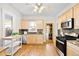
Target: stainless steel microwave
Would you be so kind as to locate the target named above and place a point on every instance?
(68, 24)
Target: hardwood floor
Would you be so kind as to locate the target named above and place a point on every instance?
(37, 50)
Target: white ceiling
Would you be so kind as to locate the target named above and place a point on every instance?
(51, 9)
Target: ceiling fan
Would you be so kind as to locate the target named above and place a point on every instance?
(38, 7)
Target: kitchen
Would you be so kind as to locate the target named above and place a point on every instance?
(56, 32)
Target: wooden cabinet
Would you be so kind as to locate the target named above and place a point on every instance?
(40, 24)
(31, 39)
(69, 14)
(76, 16)
(34, 39)
(65, 16)
(59, 22)
(61, 19)
(39, 39)
(72, 50)
(24, 24)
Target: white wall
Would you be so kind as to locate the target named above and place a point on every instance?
(38, 17)
(16, 17)
(55, 27)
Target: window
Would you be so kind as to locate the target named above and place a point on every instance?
(32, 26)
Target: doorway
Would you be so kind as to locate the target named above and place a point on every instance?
(49, 31)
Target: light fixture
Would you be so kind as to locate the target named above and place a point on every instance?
(35, 8)
(41, 9)
(38, 7)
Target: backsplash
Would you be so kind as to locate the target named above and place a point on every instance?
(71, 31)
(39, 31)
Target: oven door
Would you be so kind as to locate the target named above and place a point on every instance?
(61, 46)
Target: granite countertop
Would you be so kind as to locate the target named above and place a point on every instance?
(74, 42)
(34, 33)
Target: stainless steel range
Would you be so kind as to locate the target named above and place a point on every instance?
(61, 46)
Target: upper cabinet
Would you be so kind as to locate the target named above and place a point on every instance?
(40, 24)
(65, 16)
(76, 16)
(69, 14)
(59, 22)
(25, 24)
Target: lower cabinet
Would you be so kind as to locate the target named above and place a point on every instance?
(35, 39)
(72, 51)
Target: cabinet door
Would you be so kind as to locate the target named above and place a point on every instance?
(61, 19)
(76, 16)
(40, 24)
(31, 39)
(59, 22)
(64, 16)
(24, 24)
(34, 39)
(72, 51)
(69, 13)
(39, 39)
(69, 51)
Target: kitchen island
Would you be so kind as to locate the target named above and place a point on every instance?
(35, 38)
